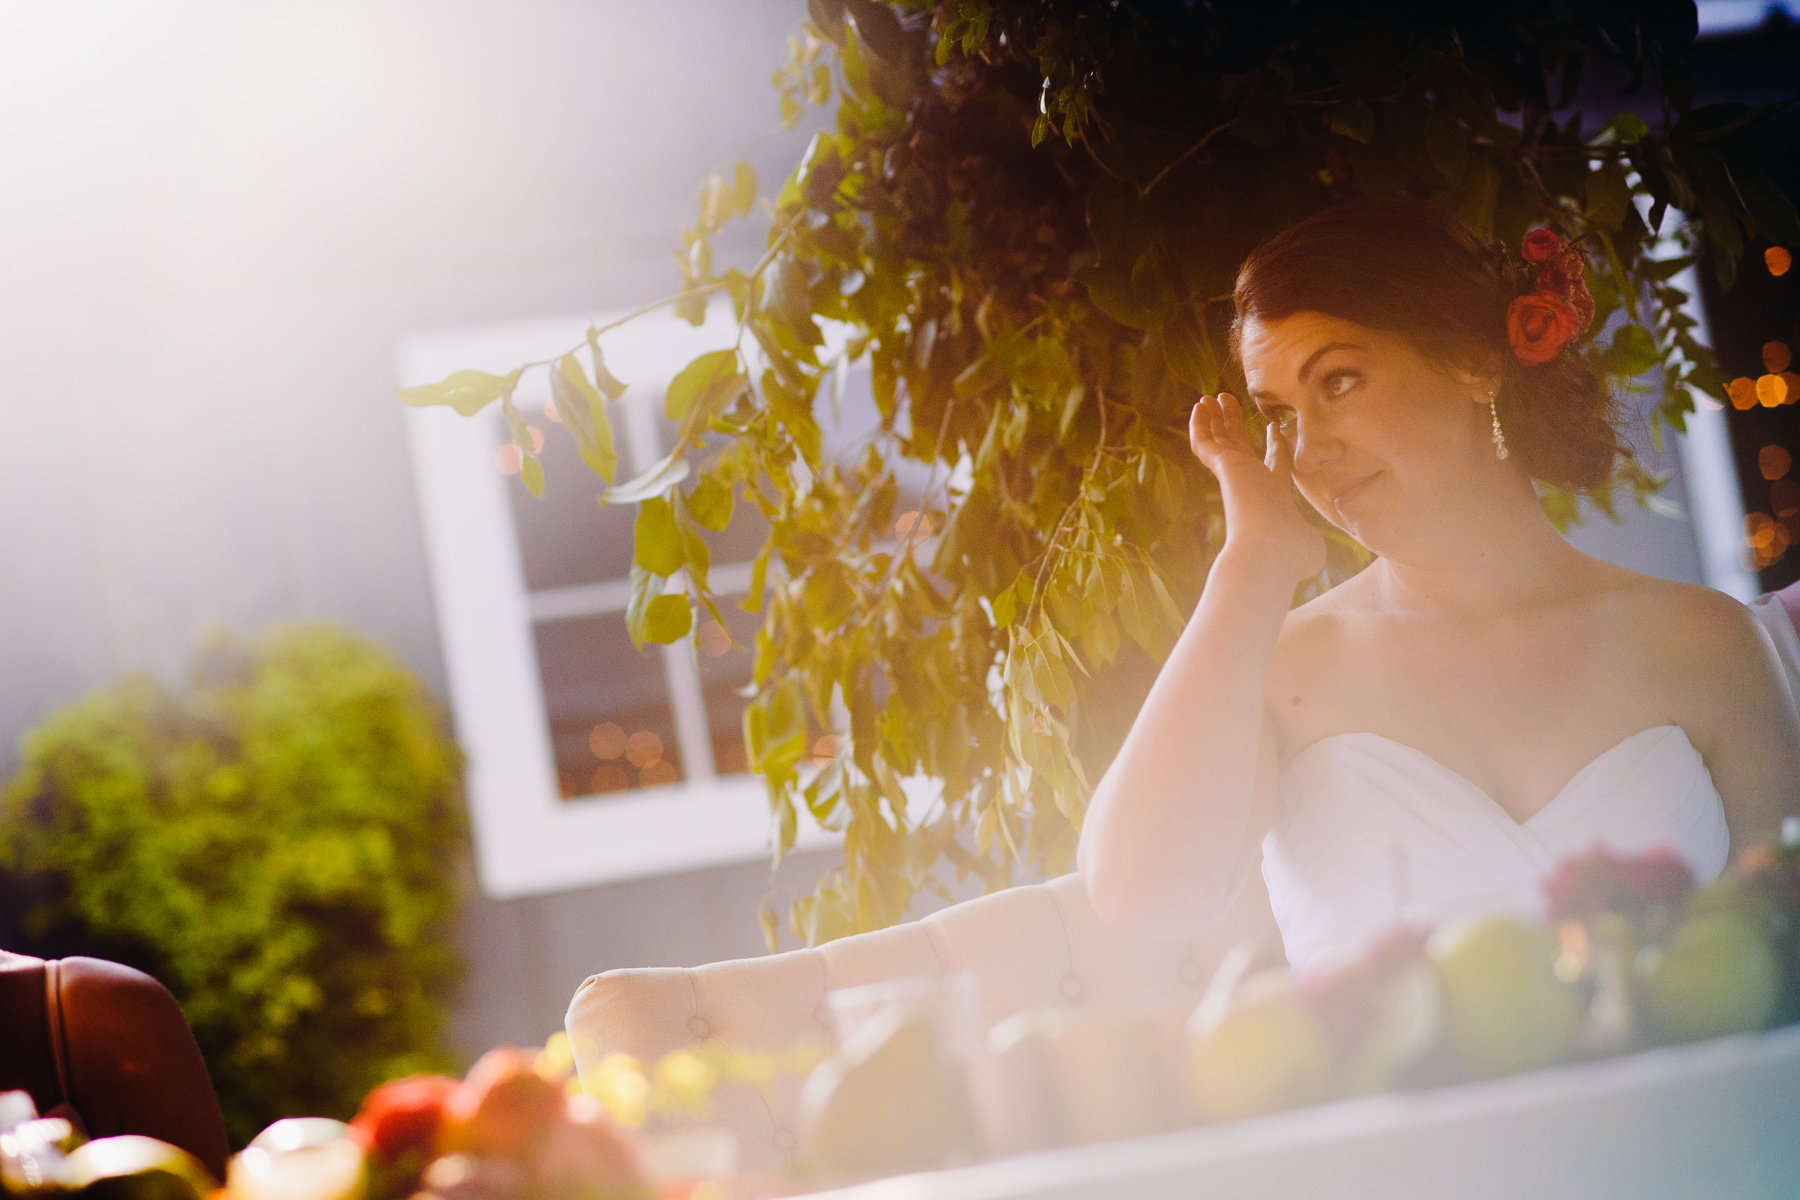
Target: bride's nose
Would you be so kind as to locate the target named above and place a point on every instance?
(1315, 444)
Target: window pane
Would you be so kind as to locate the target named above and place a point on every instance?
(568, 538)
(611, 725)
(723, 671)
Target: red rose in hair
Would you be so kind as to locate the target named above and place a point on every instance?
(1539, 325)
(1540, 245)
(1583, 302)
(1563, 274)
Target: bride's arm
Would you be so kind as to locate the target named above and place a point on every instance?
(1177, 815)
(1753, 750)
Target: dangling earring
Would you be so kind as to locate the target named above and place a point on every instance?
(1499, 437)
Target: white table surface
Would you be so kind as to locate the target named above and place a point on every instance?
(1718, 1119)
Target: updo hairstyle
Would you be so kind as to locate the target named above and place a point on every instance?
(1411, 268)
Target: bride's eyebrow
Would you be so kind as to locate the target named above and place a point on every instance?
(1312, 360)
(1258, 397)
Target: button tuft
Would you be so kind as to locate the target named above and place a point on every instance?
(699, 1028)
(1071, 987)
(784, 1140)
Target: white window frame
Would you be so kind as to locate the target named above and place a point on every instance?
(528, 839)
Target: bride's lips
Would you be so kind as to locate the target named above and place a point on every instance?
(1352, 490)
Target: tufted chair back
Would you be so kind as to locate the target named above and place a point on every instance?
(1038, 946)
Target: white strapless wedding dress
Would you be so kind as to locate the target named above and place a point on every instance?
(1369, 832)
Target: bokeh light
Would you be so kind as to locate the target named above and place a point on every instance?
(1776, 357)
(609, 777)
(1774, 461)
(657, 773)
(643, 748)
(508, 459)
(715, 642)
(537, 439)
(607, 740)
(825, 749)
(550, 413)
(1778, 260)
(1784, 498)
(1767, 538)
(1742, 391)
(1771, 390)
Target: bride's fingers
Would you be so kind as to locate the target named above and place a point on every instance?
(1279, 455)
(1203, 425)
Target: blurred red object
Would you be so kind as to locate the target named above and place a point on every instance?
(403, 1116)
(500, 1108)
(1606, 882)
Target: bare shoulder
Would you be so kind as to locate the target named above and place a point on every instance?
(1320, 619)
(1689, 626)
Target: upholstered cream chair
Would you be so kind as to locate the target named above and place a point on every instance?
(1033, 947)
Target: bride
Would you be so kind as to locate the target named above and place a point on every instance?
(1430, 738)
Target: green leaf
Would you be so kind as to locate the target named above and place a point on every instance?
(1633, 351)
(468, 392)
(1354, 119)
(668, 619)
(646, 586)
(1628, 127)
(664, 474)
(531, 472)
(711, 503)
(1447, 145)
(1186, 351)
(693, 546)
(703, 389)
(775, 729)
(743, 189)
(609, 386)
(583, 413)
(656, 542)
(1608, 197)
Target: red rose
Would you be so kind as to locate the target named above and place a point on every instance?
(1583, 302)
(1540, 245)
(1563, 274)
(1538, 326)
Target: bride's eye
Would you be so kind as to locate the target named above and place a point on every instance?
(1280, 418)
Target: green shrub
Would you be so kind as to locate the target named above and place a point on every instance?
(279, 843)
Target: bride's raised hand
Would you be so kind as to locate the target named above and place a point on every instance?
(1262, 514)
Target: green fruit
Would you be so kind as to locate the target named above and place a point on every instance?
(889, 1102)
(1713, 975)
(1505, 1008)
(137, 1168)
(1265, 1053)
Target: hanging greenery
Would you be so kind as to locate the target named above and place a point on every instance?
(1028, 215)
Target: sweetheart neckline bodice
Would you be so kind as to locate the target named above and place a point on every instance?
(1370, 830)
(1587, 771)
